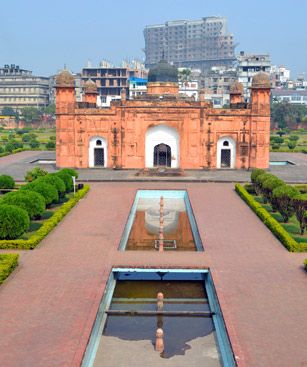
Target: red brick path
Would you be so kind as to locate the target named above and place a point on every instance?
(48, 305)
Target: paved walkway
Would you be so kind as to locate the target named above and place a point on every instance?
(18, 164)
(48, 305)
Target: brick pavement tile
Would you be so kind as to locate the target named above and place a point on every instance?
(48, 306)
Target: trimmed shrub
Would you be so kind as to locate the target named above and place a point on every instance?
(260, 180)
(302, 188)
(275, 146)
(9, 147)
(8, 263)
(50, 145)
(275, 227)
(47, 226)
(294, 138)
(66, 177)
(279, 140)
(291, 144)
(54, 180)
(32, 202)
(268, 186)
(49, 192)
(6, 182)
(1, 149)
(300, 209)
(34, 144)
(283, 196)
(255, 173)
(35, 173)
(70, 171)
(250, 189)
(305, 264)
(14, 221)
(26, 138)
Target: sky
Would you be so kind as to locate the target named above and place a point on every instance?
(43, 36)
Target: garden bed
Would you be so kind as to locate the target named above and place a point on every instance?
(8, 263)
(287, 233)
(40, 228)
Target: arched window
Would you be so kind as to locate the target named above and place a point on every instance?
(226, 143)
(98, 142)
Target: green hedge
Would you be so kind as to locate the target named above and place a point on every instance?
(8, 263)
(305, 264)
(17, 151)
(47, 226)
(275, 227)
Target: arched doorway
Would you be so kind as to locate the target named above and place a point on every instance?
(162, 155)
(226, 153)
(161, 147)
(98, 153)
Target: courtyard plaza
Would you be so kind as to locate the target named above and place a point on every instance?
(17, 165)
(49, 303)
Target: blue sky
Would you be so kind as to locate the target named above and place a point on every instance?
(44, 35)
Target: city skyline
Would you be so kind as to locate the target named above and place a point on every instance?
(45, 37)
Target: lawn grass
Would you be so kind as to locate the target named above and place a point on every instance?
(43, 136)
(301, 143)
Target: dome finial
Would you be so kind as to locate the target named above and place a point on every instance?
(65, 79)
(261, 81)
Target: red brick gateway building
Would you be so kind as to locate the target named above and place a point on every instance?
(162, 128)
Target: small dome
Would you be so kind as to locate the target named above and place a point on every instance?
(261, 80)
(236, 88)
(163, 72)
(90, 86)
(65, 79)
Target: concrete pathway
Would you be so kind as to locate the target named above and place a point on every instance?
(49, 304)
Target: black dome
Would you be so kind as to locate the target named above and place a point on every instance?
(163, 72)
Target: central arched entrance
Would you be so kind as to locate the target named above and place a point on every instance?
(162, 155)
(161, 147)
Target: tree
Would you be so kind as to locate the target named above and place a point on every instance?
(280, 133)
(300, 208)
(284, 114)
(8, 111)
(283, 196)
(184, 75)
(30, 114)
(49, 110)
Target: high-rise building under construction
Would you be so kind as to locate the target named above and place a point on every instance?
(196, 44)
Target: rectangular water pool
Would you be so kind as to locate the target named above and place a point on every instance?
(191, 321)
(281, 163)
(179, 226)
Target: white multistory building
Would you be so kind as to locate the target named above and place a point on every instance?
(248, 65)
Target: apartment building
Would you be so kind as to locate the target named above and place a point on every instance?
(197, 44)
(20, 88)
(110, 80)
